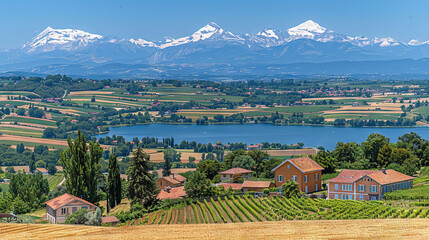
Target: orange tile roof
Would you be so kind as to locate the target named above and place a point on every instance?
(256, 184)
(42, 169)
(236, 171)
(391, 176)
(234, 186)
(109, 219)
(349, 176)
(178, 177)
(173, 193)
(304, 164)
(170, 179)
(65, 199)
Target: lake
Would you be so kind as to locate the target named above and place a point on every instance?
(311, 136)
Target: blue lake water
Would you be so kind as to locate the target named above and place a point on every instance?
(311, 136)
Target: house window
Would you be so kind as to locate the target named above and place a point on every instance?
(288, 166)
(373, 188)
(350, 197)
(84, 207)
(361, 197)
(316, 176)
(336, 186)
(306, 189)
(280, 178)
(317, 188)
(305, 178)
(64, 211)
(361, 188)
(294, 178)
(347, 187)
(336, 196)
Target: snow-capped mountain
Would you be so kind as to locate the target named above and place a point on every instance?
(212, 44)
(209, 32)
(60, 39)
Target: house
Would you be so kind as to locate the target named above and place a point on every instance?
(172, 193)
(367, 184)
(171, 181)
(304, 170)
(256, 186)
(44, 171)
(256, 146)
(58, 208)
(230, 173)
(109, 220)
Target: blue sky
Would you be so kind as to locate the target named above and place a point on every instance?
(20, 20)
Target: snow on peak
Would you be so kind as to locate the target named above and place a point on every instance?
(208, 31)
(65, 39)
(307, 29)
(385, 42)
(415, 42)
(143, 43)
(269, 33)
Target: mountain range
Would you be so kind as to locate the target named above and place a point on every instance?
(212, 49)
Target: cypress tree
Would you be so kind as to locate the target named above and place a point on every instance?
(141, 184)
(114, 182)
(32, 164)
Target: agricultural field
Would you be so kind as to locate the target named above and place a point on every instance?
(333, 229)
(249, 209)
(54, 180)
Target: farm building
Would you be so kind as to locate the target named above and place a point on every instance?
(44, 171)
(172, 193)
(171, 181)
(367, 184)
(304, 170)
(58, 208)
(230, 173)
(233, 186)
(110, 219)
(256, 186)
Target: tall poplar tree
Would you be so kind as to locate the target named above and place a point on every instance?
(114, 182)
(81, 165)
(141, 183)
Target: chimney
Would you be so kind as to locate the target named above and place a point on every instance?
(172, 175)
(383, 170)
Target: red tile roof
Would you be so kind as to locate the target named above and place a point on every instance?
(173, 193)
(109, 219)
(171, 180)
(178, 177)
(256, 184)
(65, 199)
(233, 186)
(349, 176)
(42, 170)
(391, 176)
(234, 171)
(304, 164)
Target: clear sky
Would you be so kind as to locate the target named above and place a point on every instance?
(20, 20)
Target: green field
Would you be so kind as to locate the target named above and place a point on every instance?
(302, 109)
(29, 120)
(31, 144)
(53, 180)
(4, 187)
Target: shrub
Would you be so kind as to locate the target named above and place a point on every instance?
(78, 217)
